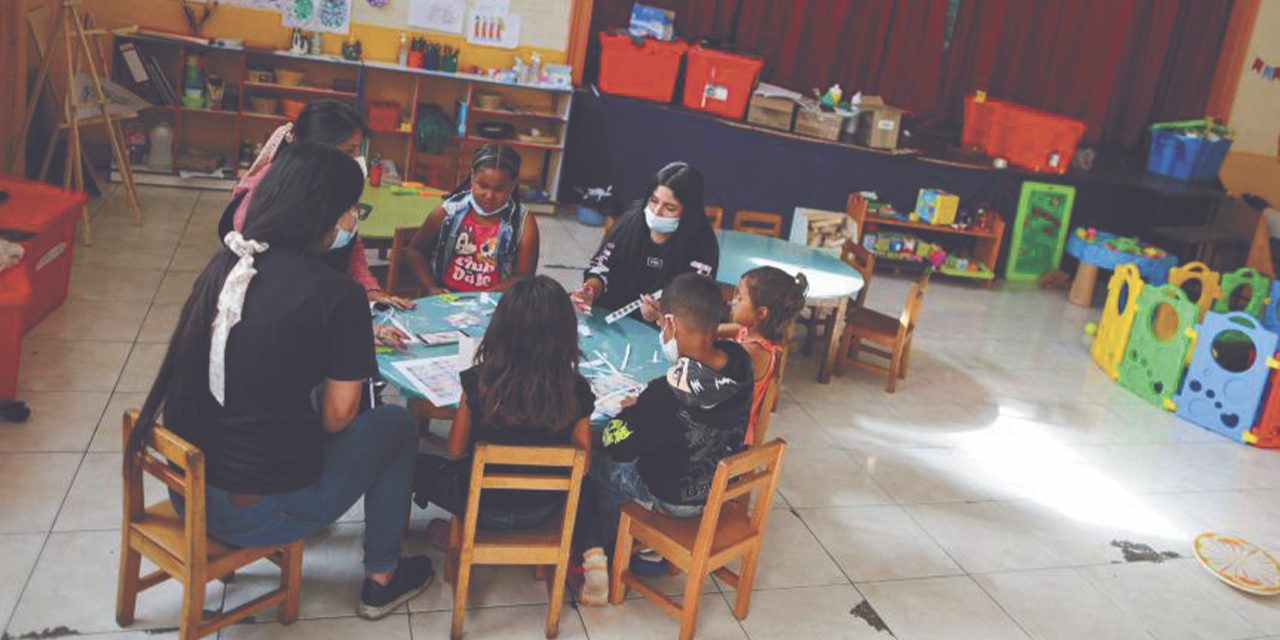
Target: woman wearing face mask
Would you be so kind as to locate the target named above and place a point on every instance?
(264, 374)
(657, 239)
(481, 238)
(333, 123)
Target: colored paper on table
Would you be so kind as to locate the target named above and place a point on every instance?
(462, 320)
(435, 378)
(611, 389)
(442, 337)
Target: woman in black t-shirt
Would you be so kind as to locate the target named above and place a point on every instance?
(524, 390)
(657, 239)
(264, 374)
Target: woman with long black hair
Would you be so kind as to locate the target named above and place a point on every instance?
(658, 238)
(264, 374)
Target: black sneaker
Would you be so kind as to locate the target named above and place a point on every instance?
(412, 576)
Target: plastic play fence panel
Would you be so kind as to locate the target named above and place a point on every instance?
(1040, 231)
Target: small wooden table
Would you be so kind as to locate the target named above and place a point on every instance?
(391, 212)
(831, 282)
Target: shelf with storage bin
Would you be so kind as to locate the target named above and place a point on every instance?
(360, 83)
(982, 244)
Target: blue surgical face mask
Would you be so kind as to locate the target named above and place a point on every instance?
(670, 348)
(485, 214)
(659, 224)
(344, 237)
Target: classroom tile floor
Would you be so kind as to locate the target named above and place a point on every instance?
(1007, 490)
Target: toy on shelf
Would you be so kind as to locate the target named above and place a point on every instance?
(1117, 319)
(1040, 230)
(1101, 250)
(936, 206)
(905, 247)
(1199, 282)
(1228, 374)
(1234, 283)
(1156, 353)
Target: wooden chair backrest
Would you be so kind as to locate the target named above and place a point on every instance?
(570, 458)
(856, 208)
(715, 215)
(765, 223)
(862, 261)
(766, 407)
(400, 241)
(164, 450)
(911, 309)
(737, 476)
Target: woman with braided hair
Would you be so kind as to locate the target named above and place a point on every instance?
(481, 238)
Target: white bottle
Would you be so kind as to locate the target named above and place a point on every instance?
(161, 139)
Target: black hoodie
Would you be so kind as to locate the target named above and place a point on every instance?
(682, 425)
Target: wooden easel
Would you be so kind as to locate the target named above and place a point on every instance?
(70, 25)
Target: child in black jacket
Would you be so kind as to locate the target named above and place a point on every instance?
(662, 451)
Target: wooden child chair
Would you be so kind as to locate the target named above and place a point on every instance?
(728, 530)
(862, 261)
(893, 334)
(399, 280)
(180, 545)
(765, 223)
(542, 546)
(770, 403)
(715, 215)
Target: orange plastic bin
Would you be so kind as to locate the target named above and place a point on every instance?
(46, 217)
(719, 82)
(15, 294)
(1026, 137)
(647, 72)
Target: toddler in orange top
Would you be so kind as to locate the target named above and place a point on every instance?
(764, 306)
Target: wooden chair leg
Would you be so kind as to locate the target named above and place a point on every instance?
(193, 585)
(692, 600)
(127, 583)
(906, 359)
(557, 597)
(894, 361)
(621, 560)
(842, 355)
(451, 555)
(460, 584)
(746, 580)
(291, 581)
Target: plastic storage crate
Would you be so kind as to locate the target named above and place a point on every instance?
(720, 83)
(648, 71)
(47, 216)
(1188, 150)
(1029, 138)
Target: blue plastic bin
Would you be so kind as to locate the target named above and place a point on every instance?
(1185, 157)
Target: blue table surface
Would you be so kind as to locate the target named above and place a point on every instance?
(645, 363)
(829, 278)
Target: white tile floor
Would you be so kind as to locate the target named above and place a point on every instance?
(988, 498)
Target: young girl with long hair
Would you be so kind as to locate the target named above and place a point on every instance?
(264, 374)
(481, 238)
(660, 237)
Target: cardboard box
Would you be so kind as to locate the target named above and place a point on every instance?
(879, 123)
(817, 123)
(936, 206)
(825, 230)
(771, 111)
(652, 22)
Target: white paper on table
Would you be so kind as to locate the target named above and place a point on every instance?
(447, 16)
(435, 378)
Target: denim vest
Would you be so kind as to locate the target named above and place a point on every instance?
(510, 231)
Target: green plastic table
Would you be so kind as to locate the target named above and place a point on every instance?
(831, 282)
(612, 340)
(391, 212)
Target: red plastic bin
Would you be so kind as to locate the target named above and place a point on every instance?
(720, 83)
(50, 213)
(1026, 137)
(15, 295)
(647, 72)
(384, 116)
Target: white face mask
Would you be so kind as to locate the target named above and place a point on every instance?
(364, 166)
(659, 224)
(670, 348)
(344, 237)
(480, 210)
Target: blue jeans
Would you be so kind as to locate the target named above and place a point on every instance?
(609, 487)
(372, 457)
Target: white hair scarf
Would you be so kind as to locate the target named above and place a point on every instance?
(230, 306)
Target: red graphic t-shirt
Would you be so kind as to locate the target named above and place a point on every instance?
(474, 266)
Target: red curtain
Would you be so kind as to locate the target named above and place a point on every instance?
(1118, 65)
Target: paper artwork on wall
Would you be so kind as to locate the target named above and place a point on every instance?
(447, 16)
(332, 16)
(493, 29)
(1266, 71)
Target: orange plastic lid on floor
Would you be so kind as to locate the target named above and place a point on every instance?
(1239, 563)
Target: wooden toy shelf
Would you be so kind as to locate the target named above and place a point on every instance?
(984, 247)
(546, 108)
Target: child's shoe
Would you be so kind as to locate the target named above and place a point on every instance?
(649, 563)
(595, 578)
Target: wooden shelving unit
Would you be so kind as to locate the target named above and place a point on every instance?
(984, 243)
(538, 107)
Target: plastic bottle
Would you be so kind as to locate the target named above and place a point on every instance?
(402, 56)
(161, 156)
